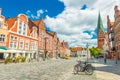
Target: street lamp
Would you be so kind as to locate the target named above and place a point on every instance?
(45, 51)
(87, 51)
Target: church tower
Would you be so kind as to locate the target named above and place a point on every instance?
(100, 33)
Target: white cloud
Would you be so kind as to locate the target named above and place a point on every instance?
(38, 13)
(72, 22)
(77, 3)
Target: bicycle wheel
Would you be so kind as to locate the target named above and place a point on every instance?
(89, 70)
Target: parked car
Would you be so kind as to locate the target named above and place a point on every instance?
(67, 57)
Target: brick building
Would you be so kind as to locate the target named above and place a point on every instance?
(100, 33)
(24, 37)
(111, 42)
(117, 30)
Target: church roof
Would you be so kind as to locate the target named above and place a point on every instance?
(100, 24)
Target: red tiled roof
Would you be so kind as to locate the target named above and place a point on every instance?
(76, 49)
(10, 22)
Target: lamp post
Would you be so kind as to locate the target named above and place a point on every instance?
(45, 51)
(87, 51)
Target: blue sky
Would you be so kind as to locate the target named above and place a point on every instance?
(13, 8)
(74, 21)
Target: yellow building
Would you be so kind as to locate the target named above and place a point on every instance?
(3, 35)
(3, 31)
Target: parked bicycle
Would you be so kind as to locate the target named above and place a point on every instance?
(83, 66)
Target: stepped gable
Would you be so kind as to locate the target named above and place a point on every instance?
(31, 24)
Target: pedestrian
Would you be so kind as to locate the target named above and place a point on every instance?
(115, 58)
(105, 61)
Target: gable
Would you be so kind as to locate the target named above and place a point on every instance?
(23, 17)
(14, 27)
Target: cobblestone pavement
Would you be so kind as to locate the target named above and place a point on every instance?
(60, 69)
(109, 71)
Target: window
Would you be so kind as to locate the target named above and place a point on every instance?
(32, 46)
(21, 44)
(34, 34)
(20, 23)
(23, 33)
(13, 42)
(40, 39)
(35, 45)
(11, 45)
(13, 38)
(26, 45)
(2, 37)
(22, 28)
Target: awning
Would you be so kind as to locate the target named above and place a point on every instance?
(13, 51)
(3, 48)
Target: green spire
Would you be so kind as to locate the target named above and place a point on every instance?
(100, 24)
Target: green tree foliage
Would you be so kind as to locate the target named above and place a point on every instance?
(95, 51)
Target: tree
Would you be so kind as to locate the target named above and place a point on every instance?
(95, 51)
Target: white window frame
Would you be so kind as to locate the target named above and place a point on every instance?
(21, 46)
(27, 46)
(13, 42)
(23, 29)
(2, 36)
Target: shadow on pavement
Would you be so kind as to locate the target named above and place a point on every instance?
(110, 66)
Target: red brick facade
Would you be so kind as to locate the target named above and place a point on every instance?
(32, 38)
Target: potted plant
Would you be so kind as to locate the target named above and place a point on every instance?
(23, 59)
(18, 59)
(8, 60)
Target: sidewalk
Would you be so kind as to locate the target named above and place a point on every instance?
(109, 71)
